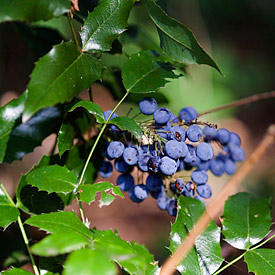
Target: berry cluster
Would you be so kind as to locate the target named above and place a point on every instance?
(172, 145)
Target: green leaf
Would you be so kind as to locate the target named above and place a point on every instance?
(26, 136)
(244, 228)
(142, 73)
(16, 271)
(89, 262)
(65, 138)
(53, 178)
(92, 108)
(126, 123)
(32, 10)
(104, 24)
(177, 41)
(261, 261)
(59, 76)
(8, 116)
(60, 243)
(8, 212)
(207, 244)
(88, 192)
(60, 222)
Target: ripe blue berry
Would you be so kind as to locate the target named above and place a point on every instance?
(162, 115)
(199, 176)
(209, 133)
(130, 155)
(234, 139)
(143, 162)
(148, 105)
(125, 182)
(177, 133)
(153, 163)
(115, 149)
(154, 182)
(217, 167)
(168, 166)
(162, 201)
(121, 166)
(194, 133)
(204, 191)
(230, 166)
(106, 169)
(106, 114)
(188, 114)
(223, 136)
(176, 149)
(204, 151)
(191, 156)
(237, 153)
(172, 207)
(138, 192)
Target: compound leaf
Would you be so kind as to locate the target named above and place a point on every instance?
(142, 73)
(32, 10)
(205, 257)
(104, 24)
(65, 138)
(244, 228)
(16, 271)
(88, 192)
(53, 178)
(59, 76)
(177, 41)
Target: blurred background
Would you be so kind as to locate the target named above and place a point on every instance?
(239, 35)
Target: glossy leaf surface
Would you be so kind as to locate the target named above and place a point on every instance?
(32, 10)
(16, 271)
(59, 76)
(142, 73)
(88, 192)
(53, 178)
(65, 138)
(60, 222)
(97, 263)
(177, 41)
(246, 220)
(261, 261)
(207, 244)
(104, 24)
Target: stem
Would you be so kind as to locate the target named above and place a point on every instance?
(243, 101)
(73, 31)
(23, 232)
(262, 243)
(213, 210)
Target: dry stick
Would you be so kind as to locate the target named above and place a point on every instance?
(243, 101)
(213, 210)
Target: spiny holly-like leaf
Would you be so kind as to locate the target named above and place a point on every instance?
(177, 41)
(88, 192)
(142, 73)
(32, 10)
(205, 257)
(104, 24)
(126, 123)
(92, 108)
(97, 263)
(60, 222)
(16, 271)
(8, 212)
(26, 136)
(261, 261)
(8, 116)
(60, 243)
(65, 138)
(244, 228)
(59, 76)
(53, 178)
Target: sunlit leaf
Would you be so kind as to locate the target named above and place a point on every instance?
(16, 271)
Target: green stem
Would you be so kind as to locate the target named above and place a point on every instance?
(23, 232)
(262, 243)
(73, 31)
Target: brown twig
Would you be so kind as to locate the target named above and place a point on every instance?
(213, 210)
(243, 101)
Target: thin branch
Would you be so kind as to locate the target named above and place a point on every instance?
(213, 210)
(73, 31)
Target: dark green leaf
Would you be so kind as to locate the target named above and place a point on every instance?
(113, 60)
(53, 178)
(261, 261)
(88, 192)
(32, 10)
(142, 73)
(92, 108)
(59, 76)
(8, 116)
(205, 257)
(177, 41)
(60, 243)
(26, 136)
(89, 262)
(8, 212)
(126, 123)
(16, 271)
(104, 24)
(65, 138)
(246, 220)
(60, 222)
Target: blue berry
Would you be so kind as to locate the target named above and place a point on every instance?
(138, 192)
(223, 136)
(106, 114)
(162, 130)
(217, 167)
(230, 166)
(162, 115)
(172, 207)
(154, 182)
(174, 119)
(237, 153)
(234, 139)
(199, 176)
(106, 169)
(121, 166)
(204, 165)
(204, 191)
(168, 166)
(130, 155)
(177, 133)
(181, 165)
(191, 156)
(204, 151)
(194, 133)
(158, 193)
(148, 105)
(209, 133)
(153, 163)
(125, 182)
(176, 149)
(188, 114)
(143, 162)
(162, 201)
(115, 149)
